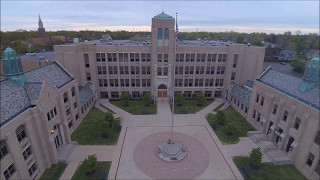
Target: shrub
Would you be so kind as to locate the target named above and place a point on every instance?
(125, 97)
(221, 116)
(180, 99)
(147, 99)
(109, 118)
(200, 97)
(90, 163)
(256, 156)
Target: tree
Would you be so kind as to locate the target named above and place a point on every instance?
(298, 65)
(147, 99)
(257, 42)
(221, 116)
(256, 156)
(109, 119)
(125, 97)
(90, 163)
(180, 99)
(200, 97)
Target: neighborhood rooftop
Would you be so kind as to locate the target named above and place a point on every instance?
(289, 85)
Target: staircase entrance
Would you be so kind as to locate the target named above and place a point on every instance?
(162, 91)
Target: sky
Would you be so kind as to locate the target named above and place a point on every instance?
(212, 16)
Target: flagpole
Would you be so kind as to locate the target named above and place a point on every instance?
(174, 78)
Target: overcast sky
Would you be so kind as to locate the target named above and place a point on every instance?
(214, 16)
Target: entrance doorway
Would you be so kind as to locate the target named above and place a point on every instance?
(162, 91)
(291, 139)
(57, 141)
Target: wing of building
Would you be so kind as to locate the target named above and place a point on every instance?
(39, 111)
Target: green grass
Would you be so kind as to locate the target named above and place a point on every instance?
(54, 172)
(102, 167)
(218, 107)
(234, 118)
(136, 107)
(269, 171)
(89, 131)
(190, 107)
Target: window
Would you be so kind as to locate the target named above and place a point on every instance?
(9, 171)
(86, 60)
(165, 71)
(222, 70)
(27, 153)
(317, 139)
(70, 124)
(257, 98)
(285, 116)
(233, 76)
(159, 57)
(77, 116)
(259, 116)
(297, 123)
(21, 134)
(208, 94)
(217, 94)
(159, 71)
(275, 107)
(254, 114)
(310, 159)
(159, 37)
(235, 60)
(317, 170)
(165, 58)
(262, 101)
(219, 57)
(68, 112)
(65, 97)
(224, 58)
(88, 76)
(3, 149)
(75, 105)
(32, 169)
(73, 91)
(246, 110)
(98, 57)
(103, 95)
(135, 95)
(114, 95)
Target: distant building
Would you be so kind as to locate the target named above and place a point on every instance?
(287, 55)
(39, 111)
(311, 53)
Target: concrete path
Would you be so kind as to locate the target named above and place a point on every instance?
(161, 119)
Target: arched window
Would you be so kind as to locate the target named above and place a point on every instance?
(21, 133)
(166, 37)
(159, 37)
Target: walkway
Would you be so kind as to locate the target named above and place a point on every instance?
(161, 119)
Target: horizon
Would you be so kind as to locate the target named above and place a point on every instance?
(135, 16)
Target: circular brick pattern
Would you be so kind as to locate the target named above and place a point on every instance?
(195, 162)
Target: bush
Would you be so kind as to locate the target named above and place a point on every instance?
(125, 97)
(256, 156)
(200, 97)
(90, 163)
(147, 99)
(109, 118)
(221, 116)
(298, 65)
(180, 99)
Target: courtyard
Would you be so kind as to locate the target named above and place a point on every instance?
(133, 155)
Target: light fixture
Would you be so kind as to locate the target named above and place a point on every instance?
(52, 131)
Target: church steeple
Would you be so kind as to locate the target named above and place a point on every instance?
(311, 75)
(40, 22)
(12, 68)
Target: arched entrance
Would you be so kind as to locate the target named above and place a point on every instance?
(291, 139)
(278, 133)
(162, 91)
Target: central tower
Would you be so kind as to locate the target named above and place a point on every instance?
(162, 54)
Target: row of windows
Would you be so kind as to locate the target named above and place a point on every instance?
(123, 57)
(134, 94)
(199, 70)
(65, 95)
(124, 82)
(189, 94)
(201, 57)
(51, 114)
(310, 160)
(198, 82)
(84, 107)
(9, 171)
(236, 101)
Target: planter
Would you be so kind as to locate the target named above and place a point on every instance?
(105, 136)
(221, 123)
(126, 105)
(89, 174)
(179, 105)
(254, 167)
(228, 133)
(146, 105)
(199, 104)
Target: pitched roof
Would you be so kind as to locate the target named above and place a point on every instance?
(85, 93)
(53, 74)
(33, 90)
(289, 85)
(162, 16)
(13, 100)
(241, 93)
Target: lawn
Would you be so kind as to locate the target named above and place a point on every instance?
(269, 171)
(102, 167)
(136, 107)
(190, 107)
(241, 126)
(54, 172)
(90, 130)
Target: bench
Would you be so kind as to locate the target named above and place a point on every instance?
(104, 176)
(183, 111)
(213, 126)
(244, 173)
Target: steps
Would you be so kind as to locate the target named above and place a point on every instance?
(270, 149)
(65, 150)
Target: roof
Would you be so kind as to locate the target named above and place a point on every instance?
(163, 16)
(49, 55)
(33, 90)
(52, 73)
(289, 85)
(241, 93)
(85, 93)
(13, 100)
